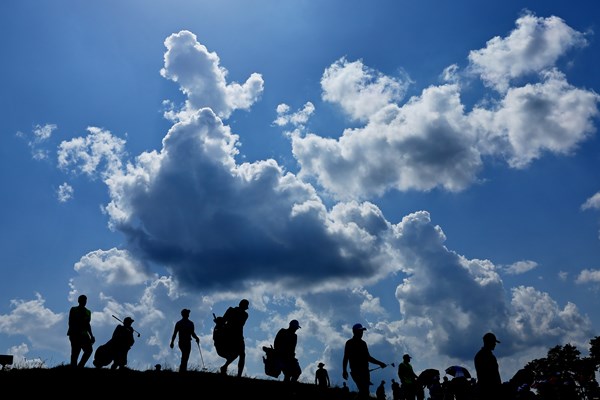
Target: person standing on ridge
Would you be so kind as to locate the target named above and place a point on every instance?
(408, 378)
(322, 376)
(489, 384)
(235, 319)
(356, 354)
(186, 331)
(80, 332)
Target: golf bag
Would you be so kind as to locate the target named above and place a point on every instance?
(272, 364)
(103, 355)
(222, 338)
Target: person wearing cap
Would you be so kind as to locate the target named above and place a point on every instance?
(120, 343)
(186, 331)
(285, 351)
(489, 383)
(357, 356)
(408, 378)
(235, 318)
(322, 376)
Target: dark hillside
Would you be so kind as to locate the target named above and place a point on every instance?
(92, 382)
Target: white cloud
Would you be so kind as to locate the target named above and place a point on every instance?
(537, 317)
(588, 276)
(534, 45)
(520, 267)
(297, 119)
(64, 192)
(592, 202)
(39, 324)
(426, 143)
(551, 116)
(116, 267)
(203, 80)
(359, 90)
(41, 133)
(431, 141)
(97, 153)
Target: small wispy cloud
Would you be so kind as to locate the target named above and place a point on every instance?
(39, 135)
(64, 192)
(520, 267)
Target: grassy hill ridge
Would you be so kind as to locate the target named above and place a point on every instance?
(69, 383)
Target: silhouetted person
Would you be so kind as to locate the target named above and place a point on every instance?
(396, 392)
(322, 376)
(461, 387)
(80, 332)
(489, 383)
(186, 331)
(356, 353)
(285, 350)
(380, 392)
(120, 343)
(447, 389)
(435, 390)
(408, 378)
(235, 319)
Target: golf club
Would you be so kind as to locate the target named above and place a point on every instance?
(123, 323)
(373, 369)
(201, 358)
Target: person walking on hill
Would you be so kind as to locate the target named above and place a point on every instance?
(186, 331)
(356, 354)
(408, 378)
(121, 341)
(322, 376)
(235, 319)
(80, 332)
(489, 384)
(285, 350)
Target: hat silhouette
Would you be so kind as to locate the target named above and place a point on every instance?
(490, 337)
(358, 327)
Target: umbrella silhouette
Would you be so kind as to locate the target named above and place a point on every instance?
(457, 371)
(429, 375)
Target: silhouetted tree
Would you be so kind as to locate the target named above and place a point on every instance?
(562, 374)
(595, 351)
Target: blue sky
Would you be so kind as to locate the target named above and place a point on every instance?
(428, 169)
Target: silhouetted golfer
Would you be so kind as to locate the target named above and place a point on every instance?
(121, 341)
(235, 319)
(489, 383)
(356, 353)
(285, 350)
(80, 332)
(185, 328)
(408, 378)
